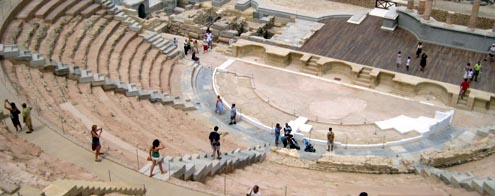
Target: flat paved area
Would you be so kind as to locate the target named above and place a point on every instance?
(367, 44)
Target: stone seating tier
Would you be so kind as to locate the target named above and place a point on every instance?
(95, 79)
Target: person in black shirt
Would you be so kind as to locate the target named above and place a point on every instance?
(215, 142)
(14, 114)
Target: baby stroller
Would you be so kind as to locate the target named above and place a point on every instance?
(309, 147)
(292, 142)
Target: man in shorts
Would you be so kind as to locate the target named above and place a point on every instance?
(330, 138)
(215, 142)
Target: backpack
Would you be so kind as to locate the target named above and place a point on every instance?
(309, 148)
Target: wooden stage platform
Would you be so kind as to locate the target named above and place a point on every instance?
(367, 44)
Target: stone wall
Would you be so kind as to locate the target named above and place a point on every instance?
(362, 3)
(344, 163)
(462, 19)
(401, 84)
(438, 14)
(451, 157)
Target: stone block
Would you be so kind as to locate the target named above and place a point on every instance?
(132, 90)
(177, 169)
(122, 87)
(86, 76)
(49, 67)
(456, 179)
(144, 94)
(156, 97)
(445, 177)
(178, 103)
(467, 184)
(74, 73)
(216, 166)
(99, 80)
(201, 171)
(188, 7)
(482, 133)
(489, 187)
(167, 100)
(189, 171)
(37, 60)
(10, 51)
(477, 185)
(220, 25)
(242, 4)
(195, 156)
(218, 3)
(229, 33)
(9, 188)
(109, 84)
(24, 55)
(61, 69)
(135, 27)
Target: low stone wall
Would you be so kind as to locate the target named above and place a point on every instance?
(463, 19)
(451, 157)
(344, 163)
(402, 84)
(362, 3)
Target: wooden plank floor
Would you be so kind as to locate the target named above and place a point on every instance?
(367, 44)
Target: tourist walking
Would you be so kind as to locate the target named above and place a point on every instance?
(287, 129)
(209, 39)
(14, 114)
(205, 45)
(419, 49)
(194, 51)
(155, 156)
(470, 74)
(398, 61)
(477, 71)
(422, 62)
(26, 117)
(464, 88)
(491, 52)
(255, 191)
(95, 141)
(196, 45)
(408, 62)
(277, 133)
(330, 139)
(233, 114)
(215, 142)
(175, 42)
(219, 105)
(186, 48)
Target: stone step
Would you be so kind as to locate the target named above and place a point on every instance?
(76, 9)
(47, 8)
(29, 10)
(160, 27)
(60, 10)
(90, 10)
(310, 71)
(362, 83)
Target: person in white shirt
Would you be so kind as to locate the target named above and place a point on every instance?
(255, 191)
(408, 62)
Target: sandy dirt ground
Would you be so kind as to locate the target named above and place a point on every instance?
(26, 164)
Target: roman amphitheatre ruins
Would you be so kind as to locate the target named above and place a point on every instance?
(312, 64)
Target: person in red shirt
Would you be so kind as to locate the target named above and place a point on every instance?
(464, 87)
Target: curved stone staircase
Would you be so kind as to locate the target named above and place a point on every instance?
(78, 187)
(484, 186)
(197, 167)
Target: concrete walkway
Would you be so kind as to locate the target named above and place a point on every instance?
(57, 146)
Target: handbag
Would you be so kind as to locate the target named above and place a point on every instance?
(149, 158)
